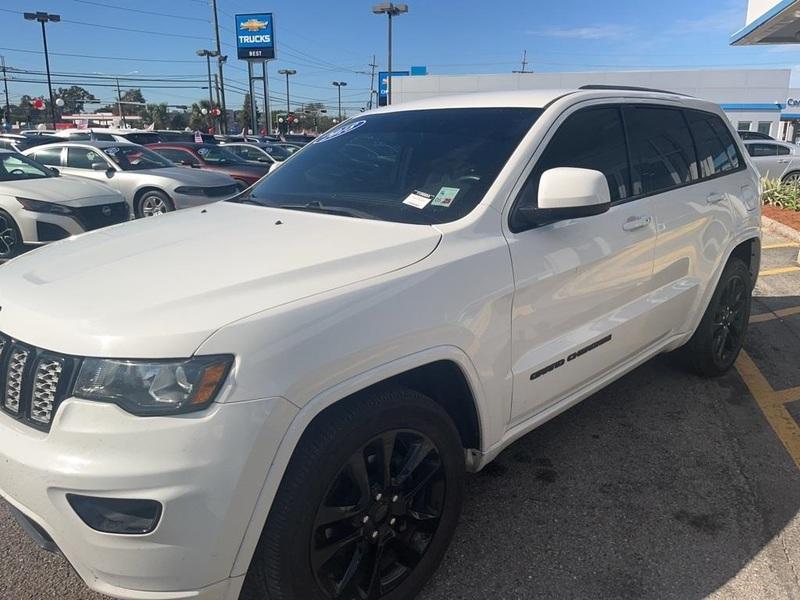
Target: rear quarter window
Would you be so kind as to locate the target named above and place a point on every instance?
(717, 152)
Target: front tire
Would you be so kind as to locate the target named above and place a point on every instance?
(153, 203)
(716, 344)
(367, 506)
(10, 237)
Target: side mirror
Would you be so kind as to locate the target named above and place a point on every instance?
(99, 166)
(54, 171)
(568, 193)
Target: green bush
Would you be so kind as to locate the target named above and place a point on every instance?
(781, 195)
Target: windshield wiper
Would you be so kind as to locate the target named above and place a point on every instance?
(316, 206)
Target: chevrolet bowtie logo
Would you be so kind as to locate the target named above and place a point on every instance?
(253, 25)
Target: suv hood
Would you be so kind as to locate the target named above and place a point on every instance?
(158, 287)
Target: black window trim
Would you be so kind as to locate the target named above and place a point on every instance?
(621, 105)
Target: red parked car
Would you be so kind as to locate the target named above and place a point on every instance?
(211, 157)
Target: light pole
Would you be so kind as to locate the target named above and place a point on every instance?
(339, 85)
(43, 18)
(392, 10)
(208, 54)
(287, 72)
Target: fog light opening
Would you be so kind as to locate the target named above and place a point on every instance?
(117, 515)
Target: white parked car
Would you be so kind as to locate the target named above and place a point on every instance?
(151, 184)
(38, 206)
(278, 396)
(775, 160)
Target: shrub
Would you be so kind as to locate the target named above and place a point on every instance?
(781, 195)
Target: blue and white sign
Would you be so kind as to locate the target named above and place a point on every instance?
(383, 84)
(255, 37)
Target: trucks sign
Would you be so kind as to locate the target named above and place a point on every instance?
(255, 37)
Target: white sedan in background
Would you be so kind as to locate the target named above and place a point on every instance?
(38, 205)
(775, 160)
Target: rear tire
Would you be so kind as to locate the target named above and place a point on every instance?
(336, 489)
(152, 203)
(716, 343)
(792, 178)
(10, 237)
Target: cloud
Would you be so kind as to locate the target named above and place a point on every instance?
(727, 20)
(593, 32)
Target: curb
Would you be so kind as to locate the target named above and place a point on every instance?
(772, 226)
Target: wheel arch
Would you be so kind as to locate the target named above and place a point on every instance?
(421, 372)
(137, 195)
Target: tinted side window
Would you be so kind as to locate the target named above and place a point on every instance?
(77, 137)
(716, 150)
(662, 151)
(782, 150)
(83, 158)
(761, 149)
(592, 138)
(177, 156)
(49, 156)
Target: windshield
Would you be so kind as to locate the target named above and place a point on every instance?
(423, 166)
(136, 158)
(14, 167)
(214, 155)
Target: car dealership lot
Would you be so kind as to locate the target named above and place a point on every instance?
(664, 485)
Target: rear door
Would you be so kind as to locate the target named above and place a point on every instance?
(582, 285)
(695, 221)
(772, 160)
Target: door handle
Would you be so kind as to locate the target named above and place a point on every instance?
(783, 161)
(634, 223)
(714, 198)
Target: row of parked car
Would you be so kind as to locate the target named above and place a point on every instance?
(56, 186)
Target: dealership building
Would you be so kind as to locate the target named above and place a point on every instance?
(753, 99)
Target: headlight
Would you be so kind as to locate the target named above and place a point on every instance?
(190, 191)
(44, 207)
(153, 387)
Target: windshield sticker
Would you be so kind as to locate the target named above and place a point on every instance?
(202, 151)
(445, 197)
(418, 199)
(111, 151)
(339, 131)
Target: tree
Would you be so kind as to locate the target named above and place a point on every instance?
(133, 103)
(244, 117)
(197, 120)
(74, 97)
(157, 115)
(177, 120)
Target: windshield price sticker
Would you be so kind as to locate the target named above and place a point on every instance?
(445, 197)
(202, 151)
(340, 131)
(111, 151)
(418, 199)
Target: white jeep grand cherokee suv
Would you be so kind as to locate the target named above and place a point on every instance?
(278, 397)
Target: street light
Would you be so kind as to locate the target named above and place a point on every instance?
(339, 85)
(208, 54)
(43, 18)
(287, 72)
(391, 10)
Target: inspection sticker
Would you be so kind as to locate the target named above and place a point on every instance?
(418, 199)
(445, 196)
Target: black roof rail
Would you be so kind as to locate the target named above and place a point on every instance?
(629, 88)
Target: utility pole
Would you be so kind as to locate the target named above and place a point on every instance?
(5, 85)
(524, 62)
(391, 10)
(287, 72)
(119, 105)
(220, 61)
(339, 85)
(372, 65)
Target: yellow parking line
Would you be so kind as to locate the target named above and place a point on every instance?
(772, 404)
(786, 245)
(778, 271)
(778, 314)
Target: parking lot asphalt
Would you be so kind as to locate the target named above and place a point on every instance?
(663, 485)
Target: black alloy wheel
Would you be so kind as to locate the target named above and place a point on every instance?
(379, 516)
(10, 238)
(730, 320)
(367, 506)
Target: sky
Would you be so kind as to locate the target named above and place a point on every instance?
(151, 43)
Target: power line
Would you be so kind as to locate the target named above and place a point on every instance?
(157, 60)
(142, 12)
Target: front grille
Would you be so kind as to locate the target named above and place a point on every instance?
(222, 191)
(33, 381)
(102, 215)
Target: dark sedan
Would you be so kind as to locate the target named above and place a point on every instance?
(211, 157)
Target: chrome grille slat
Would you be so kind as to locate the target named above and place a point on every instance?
(45, 385)
(31, 381)
(14, 374)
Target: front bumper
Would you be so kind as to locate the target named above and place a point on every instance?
(27, 222)
(206, 469)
